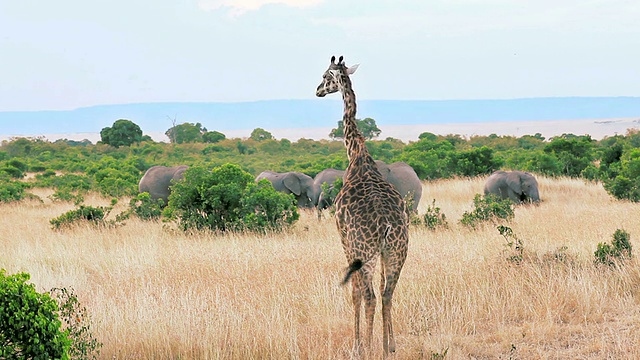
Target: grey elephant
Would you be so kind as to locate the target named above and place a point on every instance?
(404, 178)
(519, 186)
(157, 181)
(328, 176)
(297, 183)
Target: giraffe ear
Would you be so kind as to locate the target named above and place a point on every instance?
(351, 69)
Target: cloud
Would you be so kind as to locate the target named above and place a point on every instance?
(239, 7)
(466, 17)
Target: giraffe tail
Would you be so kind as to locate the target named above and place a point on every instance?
(353, 267)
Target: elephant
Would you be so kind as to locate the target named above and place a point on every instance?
(402, 176)
(519, 186)
(326, 176)
(157, 181)
(297, 183)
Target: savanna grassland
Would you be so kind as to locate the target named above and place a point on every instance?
(155, 292)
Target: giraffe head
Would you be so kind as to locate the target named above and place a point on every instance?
(333, 78)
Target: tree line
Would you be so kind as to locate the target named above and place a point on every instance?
(115, 164)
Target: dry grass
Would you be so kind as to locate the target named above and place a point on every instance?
(156, 293)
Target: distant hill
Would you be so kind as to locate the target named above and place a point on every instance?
(272, 114)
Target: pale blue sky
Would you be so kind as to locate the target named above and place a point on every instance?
(66, 54)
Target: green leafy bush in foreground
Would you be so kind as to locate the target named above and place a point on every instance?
(619, 249)
(144, 207)
(75, 321)
(11, 190)
(85, 213)
(228, 199)
(29, 323)
(434, 218)
(487, 208)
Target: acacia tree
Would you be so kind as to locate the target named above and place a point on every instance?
(122, 133)
(213, 136)
(259, 134)
(186, 133)
(367, 127)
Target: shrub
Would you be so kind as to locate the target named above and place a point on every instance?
(228, 199)
(433, 218)
(330, 191)
(71, 182)
(474, 162)
(76, 322)
(267, 209)
(146, 208)
(487, 208)
(85, 213)
(622, 187)
(29, 323)
(12, 171)
(117, 186)
(11, 190)
(619, 249)
(66, 195)
(48, 173)
(624, 177)
(513, 244)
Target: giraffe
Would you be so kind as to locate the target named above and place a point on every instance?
(370, 217)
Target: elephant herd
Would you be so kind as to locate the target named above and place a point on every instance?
(308, 191)
(515, 185)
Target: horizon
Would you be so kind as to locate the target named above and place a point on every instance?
(70, 55)
(334, 99)
(314, 118)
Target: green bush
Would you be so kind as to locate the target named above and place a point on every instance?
(115, 177)
(76, 322)
(330, 191)
(624, 188)
(70, 182)
(619, 249)
(433, 218)
(228, 199)
(29, 323)
(11, 190)
(12, 171)
(266, 209)
(146, 208)
(116, 186)
(487, 208)
(513, 244)
(474, 162)
(67, 195)
(18, 164)
(85, 213)
(574, 153)
(626, 183)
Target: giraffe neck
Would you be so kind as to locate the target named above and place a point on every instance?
(353, 139)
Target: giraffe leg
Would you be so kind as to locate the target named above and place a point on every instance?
(356, 297)
(388, 343)
(382, 279)
(385, 332)
(393, 274)
(393, 266)
(369, 301)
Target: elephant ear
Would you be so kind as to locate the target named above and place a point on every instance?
(514, 182)
(293, 184)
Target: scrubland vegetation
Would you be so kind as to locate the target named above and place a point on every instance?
(154, 291)
(556, 280)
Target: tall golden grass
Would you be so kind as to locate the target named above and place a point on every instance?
(153, 292)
